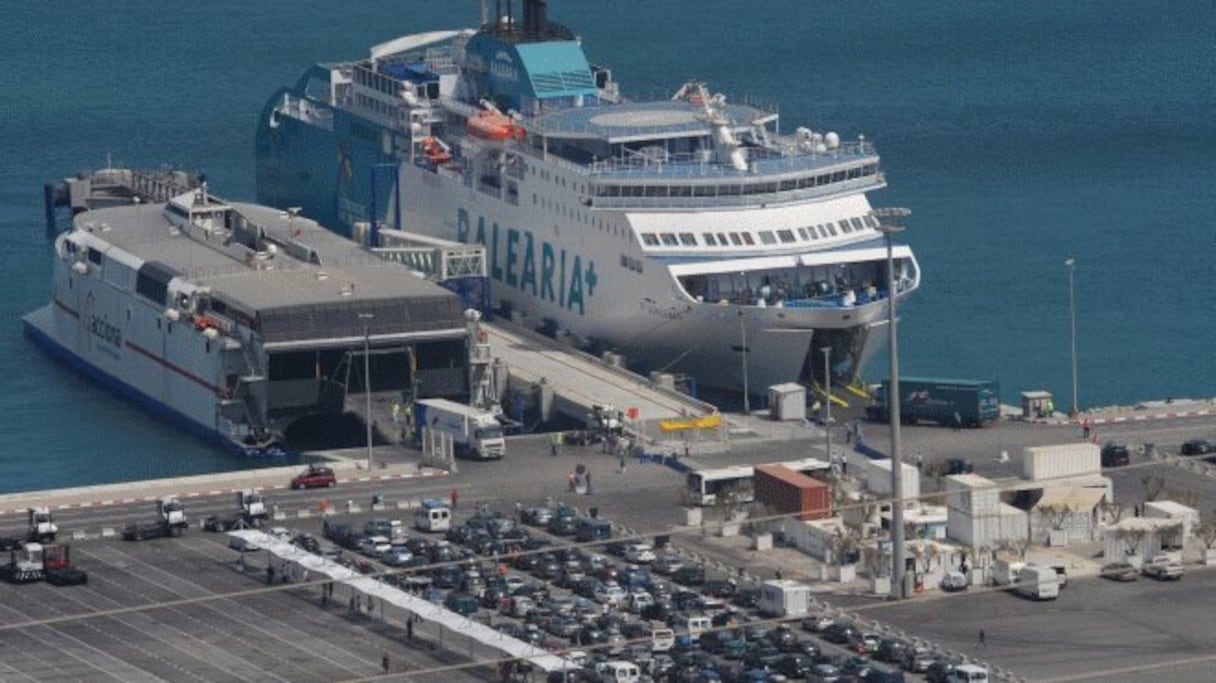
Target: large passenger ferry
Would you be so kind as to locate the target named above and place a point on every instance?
(690, 235)
(235, 321)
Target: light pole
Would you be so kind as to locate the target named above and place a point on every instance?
(747, 406)
(1072, 323)
(367, 380)
(827, 399)
(891, 222)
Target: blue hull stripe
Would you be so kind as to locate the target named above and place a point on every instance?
(156, 408)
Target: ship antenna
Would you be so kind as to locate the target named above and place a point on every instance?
(485, 11)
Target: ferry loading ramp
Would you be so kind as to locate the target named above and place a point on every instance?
(580, 380)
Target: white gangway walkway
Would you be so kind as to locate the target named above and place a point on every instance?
(303, 561)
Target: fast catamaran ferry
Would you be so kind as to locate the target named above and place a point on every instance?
(690, 234)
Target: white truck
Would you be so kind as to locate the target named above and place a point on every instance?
(42, 526)
(170, 521)
(1038, 583)
(475, 433)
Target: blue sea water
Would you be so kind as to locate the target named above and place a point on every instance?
(1020, 134)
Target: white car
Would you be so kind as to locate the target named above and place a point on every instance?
(640, 600)
(609, 593)
(375, 546)
(954, 581)
(639, 553)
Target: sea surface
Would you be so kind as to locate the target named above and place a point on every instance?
(1020, 135)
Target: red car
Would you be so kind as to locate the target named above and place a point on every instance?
(315, 477)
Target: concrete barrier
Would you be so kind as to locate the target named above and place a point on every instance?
(303, 513)
(107, 532)
(403, 505)
(79, 535)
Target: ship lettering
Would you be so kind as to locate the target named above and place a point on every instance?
(515, 263)
(103, 330)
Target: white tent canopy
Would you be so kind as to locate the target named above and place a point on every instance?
(316, 564)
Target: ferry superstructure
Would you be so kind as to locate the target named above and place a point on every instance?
(690, 234)
(235, 321)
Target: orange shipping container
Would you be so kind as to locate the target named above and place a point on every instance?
(791, 493)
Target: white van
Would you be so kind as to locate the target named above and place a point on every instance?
(434, 515)
(662, 639)
(620, 672)
(695, 625)
(1039, 583)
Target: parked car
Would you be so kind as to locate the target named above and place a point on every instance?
(1115, 454)
(374, 546)
(1163, 568)
(639, 553)
(1198, 447)
(954, 581)
(666, 564)
(397, 556)
(316, 476)
(840, 632)
(1119, 571)
(463, 604)
(689, 576)
(307, 542)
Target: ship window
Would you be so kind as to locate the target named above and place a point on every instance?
(649, 239)
(727, 190)
(832, 229)
(656, 191)
(94, 256)
(803, 234)
(681, 191)
(722, 239)
(823, 179)
(786, 236)
(871, 221)
(747, 238)
(788, 184)
(688, 239)
(703, 191)
(735, 239)
(766, 237)
(838, 176)
(669, 239)
(857, 224)
(709, 239)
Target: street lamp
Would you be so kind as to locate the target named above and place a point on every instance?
(891, 222)
(367, 380)
(827, 399)
(1072, 323)
(747, 406)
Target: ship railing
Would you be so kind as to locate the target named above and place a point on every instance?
(304, 110)
(851, 298)
(736, 199)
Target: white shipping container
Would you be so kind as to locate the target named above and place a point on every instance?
(972, 495)
(987, 530)
(1063, 460)
(784, 598)
(1168, 509)
(787, 402)
(878, 479)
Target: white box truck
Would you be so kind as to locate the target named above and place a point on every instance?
(1038, 583)
(475, 433)
(784, 598)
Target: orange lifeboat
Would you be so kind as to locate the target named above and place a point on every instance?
(435, 151)
(492, 125)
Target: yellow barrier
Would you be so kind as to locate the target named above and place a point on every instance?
(704, 422)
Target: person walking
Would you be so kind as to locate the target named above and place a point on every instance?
(983, 638)
(621, 462)
(587, 477)
(385, 663)
(453, 497)
(409, 627)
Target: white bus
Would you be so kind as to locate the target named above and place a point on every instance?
(706, 486)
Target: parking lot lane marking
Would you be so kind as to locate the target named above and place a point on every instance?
(52, 646)
(231, 605)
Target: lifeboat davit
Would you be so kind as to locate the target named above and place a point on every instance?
(492, 125)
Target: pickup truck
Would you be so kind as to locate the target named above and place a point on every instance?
(1162, 568)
